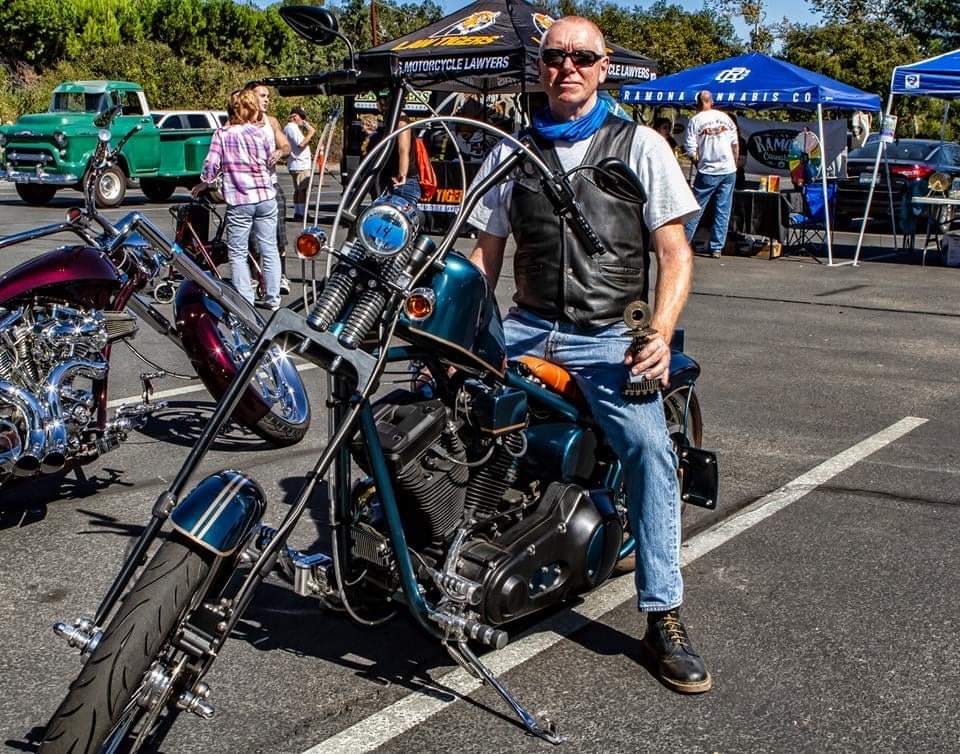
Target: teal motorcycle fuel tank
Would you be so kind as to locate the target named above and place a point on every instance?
(465, 321)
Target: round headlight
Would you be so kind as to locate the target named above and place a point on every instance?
(388, 226)
(103, 135)
(60, 139)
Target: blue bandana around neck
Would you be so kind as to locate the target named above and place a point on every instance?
(571, 130)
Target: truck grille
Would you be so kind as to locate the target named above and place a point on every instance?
(30, 159)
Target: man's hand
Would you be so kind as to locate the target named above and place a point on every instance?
(399, 180)
(199, 189)
(273, 157)
(652, 360)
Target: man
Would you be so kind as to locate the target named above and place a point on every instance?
(299, 161)
(711, 141)
(281, 148)
(569, 305)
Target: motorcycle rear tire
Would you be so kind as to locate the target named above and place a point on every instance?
(131, 642)
(673, 405)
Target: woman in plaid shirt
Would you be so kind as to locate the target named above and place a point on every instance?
(241, 156)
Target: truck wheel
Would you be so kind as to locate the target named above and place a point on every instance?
(111, 187)
(157, 191)
(36, 194)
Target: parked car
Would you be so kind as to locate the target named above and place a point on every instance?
(187, 119)
(911, 162)
(45, 152)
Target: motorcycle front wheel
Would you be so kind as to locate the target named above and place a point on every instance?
(123, 700)
(275, 405)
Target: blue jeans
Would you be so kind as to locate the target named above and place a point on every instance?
(721, 188)
(409, 189)
(261, 218)
(637, 432)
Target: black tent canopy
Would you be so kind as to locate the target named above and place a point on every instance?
(490, 47)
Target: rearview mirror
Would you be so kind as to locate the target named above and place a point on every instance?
(618, 179)
(104, 119)
(313, 23)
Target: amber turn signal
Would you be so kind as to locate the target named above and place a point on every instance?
(308, 245)
(419, 304)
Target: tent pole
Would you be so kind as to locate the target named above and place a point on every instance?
(943, 125)
(823, 181)
(873, 182)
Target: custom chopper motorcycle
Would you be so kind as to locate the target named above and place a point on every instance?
(62, 311)
(482, 493)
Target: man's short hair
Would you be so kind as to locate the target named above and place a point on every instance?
(298, 111)
(704, 97)
(579, 20)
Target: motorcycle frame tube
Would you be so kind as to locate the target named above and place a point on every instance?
(50, 230)
(331, 357)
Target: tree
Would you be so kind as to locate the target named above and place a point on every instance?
(677, 39)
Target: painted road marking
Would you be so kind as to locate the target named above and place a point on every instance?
(193, 387)
(415, 708)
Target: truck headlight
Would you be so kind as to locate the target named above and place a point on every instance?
(60, 139)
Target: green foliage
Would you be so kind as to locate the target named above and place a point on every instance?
(677, 39)
(863, 54)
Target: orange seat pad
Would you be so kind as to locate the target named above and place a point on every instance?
(554, 377)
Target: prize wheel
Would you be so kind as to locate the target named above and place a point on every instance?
(804, 158)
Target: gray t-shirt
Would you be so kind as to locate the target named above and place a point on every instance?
(668, 195)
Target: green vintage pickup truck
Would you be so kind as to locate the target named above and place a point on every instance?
(44, 152)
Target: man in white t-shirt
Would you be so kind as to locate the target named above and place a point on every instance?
(711, 141)
(298, 163)
(569, 304)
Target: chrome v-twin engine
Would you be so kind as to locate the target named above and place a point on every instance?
(45, 418)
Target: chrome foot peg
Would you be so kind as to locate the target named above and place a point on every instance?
(83, 634)
(195, 701)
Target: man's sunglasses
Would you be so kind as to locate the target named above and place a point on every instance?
(580, 58)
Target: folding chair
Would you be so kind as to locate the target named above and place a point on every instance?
(808, 227)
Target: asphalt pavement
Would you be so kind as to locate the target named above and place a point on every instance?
(822, 592)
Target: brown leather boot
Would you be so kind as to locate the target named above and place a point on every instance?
(677, 663)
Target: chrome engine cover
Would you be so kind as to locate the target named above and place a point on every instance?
(44, 348)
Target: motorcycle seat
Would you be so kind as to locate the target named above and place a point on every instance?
(555, 378)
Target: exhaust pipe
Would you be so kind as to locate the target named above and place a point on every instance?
(44, 449)
(9, 447)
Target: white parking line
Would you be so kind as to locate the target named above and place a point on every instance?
(193, 387)
(415, 708)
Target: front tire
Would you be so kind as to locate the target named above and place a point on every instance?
(103, 697)
(111, 187)
(36, 194)
(275, 405)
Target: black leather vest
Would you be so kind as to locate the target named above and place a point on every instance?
(555, 276)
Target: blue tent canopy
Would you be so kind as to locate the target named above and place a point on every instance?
(933, 77)
(753, 81)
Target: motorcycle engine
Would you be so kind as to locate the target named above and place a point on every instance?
(34, 341)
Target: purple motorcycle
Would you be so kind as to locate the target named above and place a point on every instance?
(61, 313)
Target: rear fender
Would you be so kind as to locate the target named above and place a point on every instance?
(683, 370)
(219, 512)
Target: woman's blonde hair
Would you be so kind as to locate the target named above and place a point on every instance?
(242, 107)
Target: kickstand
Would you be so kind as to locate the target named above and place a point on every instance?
(471, 663)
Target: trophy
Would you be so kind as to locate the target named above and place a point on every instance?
(637, 318)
